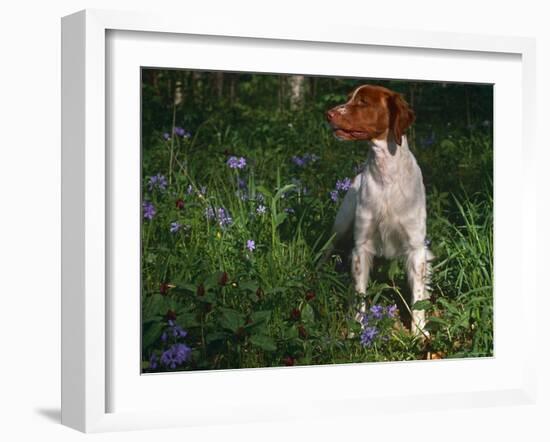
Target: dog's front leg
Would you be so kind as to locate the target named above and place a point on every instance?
(418, 270)
(361, 263)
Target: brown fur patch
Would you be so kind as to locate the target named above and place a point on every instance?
(371, 112)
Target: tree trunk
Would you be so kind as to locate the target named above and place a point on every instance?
(412, 131)
(313, 88)
(296, 91)
(178, 93)
(218, 78)
(281, 94)
(197, 93)
(232, 88)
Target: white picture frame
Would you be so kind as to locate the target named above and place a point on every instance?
(87, 357)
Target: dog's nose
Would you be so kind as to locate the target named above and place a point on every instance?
(330, 114)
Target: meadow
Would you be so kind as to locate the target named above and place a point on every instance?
(240, 187)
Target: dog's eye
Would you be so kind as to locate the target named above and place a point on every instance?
(362, 102)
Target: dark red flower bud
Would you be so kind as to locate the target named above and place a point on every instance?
(180, 204)
(200, 290)
(259, 293)
(207, 307)
(164, 286)
(289, 361)
(302, 331)
(295, 314)
(224, 278)
(310, 295)
(170, 315)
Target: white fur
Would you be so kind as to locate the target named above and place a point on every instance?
(386, 208)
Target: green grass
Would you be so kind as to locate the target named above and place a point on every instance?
(280, 304)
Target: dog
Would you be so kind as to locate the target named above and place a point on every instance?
(384, 210)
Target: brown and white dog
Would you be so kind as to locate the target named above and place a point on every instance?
(385, 208)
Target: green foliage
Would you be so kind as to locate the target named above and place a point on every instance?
(279, 303)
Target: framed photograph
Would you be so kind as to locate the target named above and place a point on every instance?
(249, 213)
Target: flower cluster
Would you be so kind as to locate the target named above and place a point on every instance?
(176, 352)
(173, 330)
(342, 186)
(236, 163)
(201, 190)
(157, 181)
(149, 210)
(305, 160)
(376, 323)
(221, 215)
(181, 132)
(175, 227)
(224, 218)
(176, 355)
(244, 195)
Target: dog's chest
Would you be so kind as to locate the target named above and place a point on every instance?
(383, 206)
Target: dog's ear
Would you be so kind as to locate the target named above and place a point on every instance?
(401, 116)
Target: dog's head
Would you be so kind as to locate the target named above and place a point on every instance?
(371, 112)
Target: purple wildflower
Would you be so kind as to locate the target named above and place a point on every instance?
(224, 218)
(290, 210)
(236, 163)
(181, 132)
(368, 335)
(209, 213)
(343, 185)
(305, 160)
(334, 195)
(159, 181)
(174, 227)
(202, 191)
(241, 184)
(149, 210)
(392, 310)
(261, 209)
(189, 189)
(164, 337)
(377, 311)
(166, 136)
(250, 245)
(176, 355)
(153, 362)
(178, 332)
